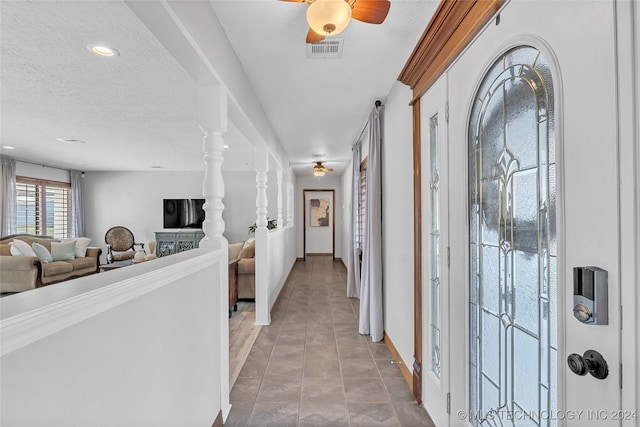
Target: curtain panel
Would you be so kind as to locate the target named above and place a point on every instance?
(77, 204)
(9, 196)
(371, 316)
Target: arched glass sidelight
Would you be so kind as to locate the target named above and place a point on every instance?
(512, 207)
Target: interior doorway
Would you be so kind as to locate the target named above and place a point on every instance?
(319, 222)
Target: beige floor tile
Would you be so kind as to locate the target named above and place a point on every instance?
(311, 367)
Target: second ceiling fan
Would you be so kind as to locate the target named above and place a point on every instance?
(330, 17)
(319, 169)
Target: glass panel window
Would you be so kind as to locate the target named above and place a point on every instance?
(512, 242)
(362, 206)
(43, 207)
(435, 249)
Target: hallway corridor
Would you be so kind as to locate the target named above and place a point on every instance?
(310, 367)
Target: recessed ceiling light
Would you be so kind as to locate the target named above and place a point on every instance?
(248, 164)
(226, 145)
(8, 147)
(70, 141)
(102, 50)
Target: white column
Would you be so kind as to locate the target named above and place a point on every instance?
(212, 187)
(280, 224)
(262, 304)
(212, 118)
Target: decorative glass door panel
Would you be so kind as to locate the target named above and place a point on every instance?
(434, 241)
(512, 306)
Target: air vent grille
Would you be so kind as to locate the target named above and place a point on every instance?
(331, 48)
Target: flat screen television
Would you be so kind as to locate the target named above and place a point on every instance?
(183, 213)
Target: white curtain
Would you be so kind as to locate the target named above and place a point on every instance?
(353, 257)
(77, 204)
(9, 198)
(371, 320)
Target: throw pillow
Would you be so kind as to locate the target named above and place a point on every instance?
(248, 242)
(42, 253)
(63, 251)
(20, 247)
(249, 251)
(81, 245)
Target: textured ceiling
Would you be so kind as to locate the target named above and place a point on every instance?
(133, 111)
(138, 110)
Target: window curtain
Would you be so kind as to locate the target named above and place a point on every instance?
(77, 204)
(353, 256)
(371, 320)
(9, 197)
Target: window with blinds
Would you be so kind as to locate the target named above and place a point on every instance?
(362, 204)
(43, 207)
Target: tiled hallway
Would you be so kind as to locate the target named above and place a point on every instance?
(310, 367)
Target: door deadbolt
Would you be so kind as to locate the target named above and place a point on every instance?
(590, 362)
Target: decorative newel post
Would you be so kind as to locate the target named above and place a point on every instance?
(290, 204)
(212, 116)
(279, 222)
(262, 274)
(213, 185)
(261, 199)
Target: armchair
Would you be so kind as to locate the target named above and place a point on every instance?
(120, 244)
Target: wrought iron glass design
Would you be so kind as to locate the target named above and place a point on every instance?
(512, 202)
(435, 241)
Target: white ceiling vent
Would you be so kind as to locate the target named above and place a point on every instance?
(330, 48)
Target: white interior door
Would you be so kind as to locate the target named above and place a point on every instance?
(526, 207)
(435, 243)
(319, 222)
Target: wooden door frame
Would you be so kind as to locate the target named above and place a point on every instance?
(304, 221)
(451, 29)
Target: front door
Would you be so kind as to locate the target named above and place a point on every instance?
(532, 141)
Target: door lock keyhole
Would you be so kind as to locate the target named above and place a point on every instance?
(590, 362)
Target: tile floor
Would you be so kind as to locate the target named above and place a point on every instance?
(311, 367)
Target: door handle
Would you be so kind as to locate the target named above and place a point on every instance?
(590, 362)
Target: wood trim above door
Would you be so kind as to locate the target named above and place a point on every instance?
(451, 29)
(304, 221)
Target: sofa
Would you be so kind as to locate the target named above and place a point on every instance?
(244, 252)
(19, 272)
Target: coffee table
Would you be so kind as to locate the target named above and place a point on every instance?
(116, 264)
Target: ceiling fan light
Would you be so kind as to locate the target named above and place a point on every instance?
(328, 17)
(318, 173)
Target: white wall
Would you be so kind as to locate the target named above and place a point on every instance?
(133, 200)
(282, 256)
(113, 356)
(397, 220)
(41, 172)
(239, 204)
(319, 239)
(327, 182)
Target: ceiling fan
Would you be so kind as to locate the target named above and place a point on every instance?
(330, 17)
(319, 169)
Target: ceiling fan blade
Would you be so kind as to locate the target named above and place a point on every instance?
(295, 1)
(313, 37)
(328, 169)
(371, 11)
